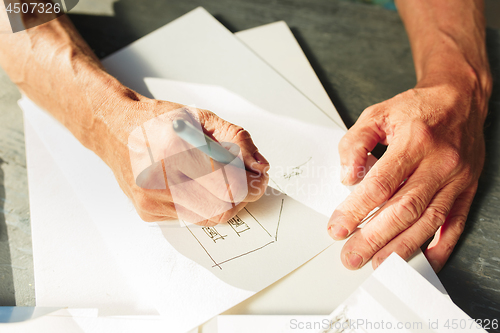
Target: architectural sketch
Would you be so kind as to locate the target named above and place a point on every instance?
(240, 236)
(213, 234)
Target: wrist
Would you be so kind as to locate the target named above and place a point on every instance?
(443, 62)
(460, 80)
(115, 111)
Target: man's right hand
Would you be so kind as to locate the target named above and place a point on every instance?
(183, 182)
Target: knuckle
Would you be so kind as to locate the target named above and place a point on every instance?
(401, 158)
(409, 208)
(202, 114)
(378, 190)
(423, 133)
(372, 110)
(437, 214)
(407, 247)
(457, 225)
(468, 174)
(452, 159)
(447, 248)
(241, 134)
(460, 225)
(374, 241)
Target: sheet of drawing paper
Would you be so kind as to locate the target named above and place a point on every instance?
(270, 324)
(397, 297)
(85, 320)
(276, 45)
(394, 298)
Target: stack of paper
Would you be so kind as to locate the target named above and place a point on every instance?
(91, 250)
(394, 298)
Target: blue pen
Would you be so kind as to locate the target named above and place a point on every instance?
(186, 131)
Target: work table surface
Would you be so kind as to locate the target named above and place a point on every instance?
(362, 56)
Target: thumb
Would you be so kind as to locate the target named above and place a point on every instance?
(354, 147)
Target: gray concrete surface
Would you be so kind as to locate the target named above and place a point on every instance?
(362, 56)
(16, 260)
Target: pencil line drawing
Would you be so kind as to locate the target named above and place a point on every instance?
(241, 255)
(279, 219)
(239, 237)
(201, 245)
(238, 225)
(213, 234)
(257, 221)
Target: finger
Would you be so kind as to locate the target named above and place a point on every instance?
(146, 217)
(147, 214)
(354, 147)
(228, 182)
(224, 131)
(410, 240)
(397, 215)
(379, 185)
(224, 217)
(186, 200)
(196, 199)
(441, 247)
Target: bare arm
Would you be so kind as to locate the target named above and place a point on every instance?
(55, 68)
(435, 137)
(448, 43)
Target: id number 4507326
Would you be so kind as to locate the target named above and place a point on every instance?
(34, 8)
(470, 323)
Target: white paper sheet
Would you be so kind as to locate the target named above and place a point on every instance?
(270, 324)
(395, 298)
(276, 45)
(301, 231)
(85, 320)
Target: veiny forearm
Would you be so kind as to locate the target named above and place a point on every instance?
(55, 68)
(448, 43)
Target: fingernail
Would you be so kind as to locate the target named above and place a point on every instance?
(380, 261)
(338, 232)
(259, 158)
(354, 260)
(343, 174)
